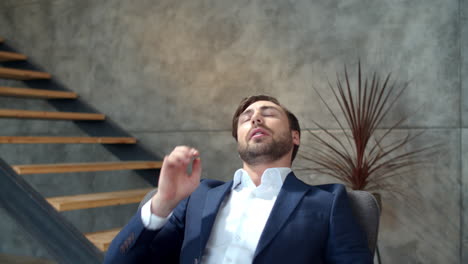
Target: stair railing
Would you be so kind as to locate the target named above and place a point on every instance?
(30, 210)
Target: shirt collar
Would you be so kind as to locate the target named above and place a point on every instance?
(273, 177)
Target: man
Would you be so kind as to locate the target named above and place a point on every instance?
(264, 215)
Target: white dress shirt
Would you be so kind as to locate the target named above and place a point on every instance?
(240, 220)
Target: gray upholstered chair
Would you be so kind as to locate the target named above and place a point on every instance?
(364, 206)
(147, 198)
(367, 212)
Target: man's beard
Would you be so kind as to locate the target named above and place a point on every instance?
(268, 150)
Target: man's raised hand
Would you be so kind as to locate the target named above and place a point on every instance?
(175, 183)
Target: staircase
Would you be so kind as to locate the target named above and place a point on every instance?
(93, 122)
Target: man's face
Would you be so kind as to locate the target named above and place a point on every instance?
(263, 133)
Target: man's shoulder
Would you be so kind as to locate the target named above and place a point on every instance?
(322, 196)
(332, 188)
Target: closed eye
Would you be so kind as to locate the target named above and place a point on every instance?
(266, 111)
(270, 112)
(244, 117)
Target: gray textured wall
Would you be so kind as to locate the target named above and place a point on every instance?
(171, 72)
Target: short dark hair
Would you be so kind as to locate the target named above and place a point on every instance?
(246, 102)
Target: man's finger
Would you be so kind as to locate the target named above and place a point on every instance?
(182, 148)
(187, 153)
(196, 167)
(179, 159)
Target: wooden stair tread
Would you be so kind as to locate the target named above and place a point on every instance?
(13, 113)
(36, 93)
(11, 56)
(86, 167)
(93, 200)
(17, 74)
(102, 239)
(66, 140)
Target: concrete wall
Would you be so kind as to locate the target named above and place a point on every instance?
(172, 72)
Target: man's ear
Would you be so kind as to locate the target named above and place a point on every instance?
(296, 137)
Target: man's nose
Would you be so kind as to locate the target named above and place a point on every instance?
(257, 119)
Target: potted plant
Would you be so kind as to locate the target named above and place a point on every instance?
(363, 158)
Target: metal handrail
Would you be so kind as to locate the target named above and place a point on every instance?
(31, 210)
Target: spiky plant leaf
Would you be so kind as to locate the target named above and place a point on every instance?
(357, 160)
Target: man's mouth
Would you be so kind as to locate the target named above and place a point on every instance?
(257, 133)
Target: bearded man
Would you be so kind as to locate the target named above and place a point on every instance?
(264, 215)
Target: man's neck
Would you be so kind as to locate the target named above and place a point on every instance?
(256, 171)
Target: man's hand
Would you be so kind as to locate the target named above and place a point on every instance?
(175, 184)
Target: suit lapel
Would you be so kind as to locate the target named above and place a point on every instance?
(213, 200)
(289, 197)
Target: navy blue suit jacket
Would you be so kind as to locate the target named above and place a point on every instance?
(308, 224)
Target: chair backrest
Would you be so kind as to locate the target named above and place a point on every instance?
(147, 198)
(363, 204)
(367, 212)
